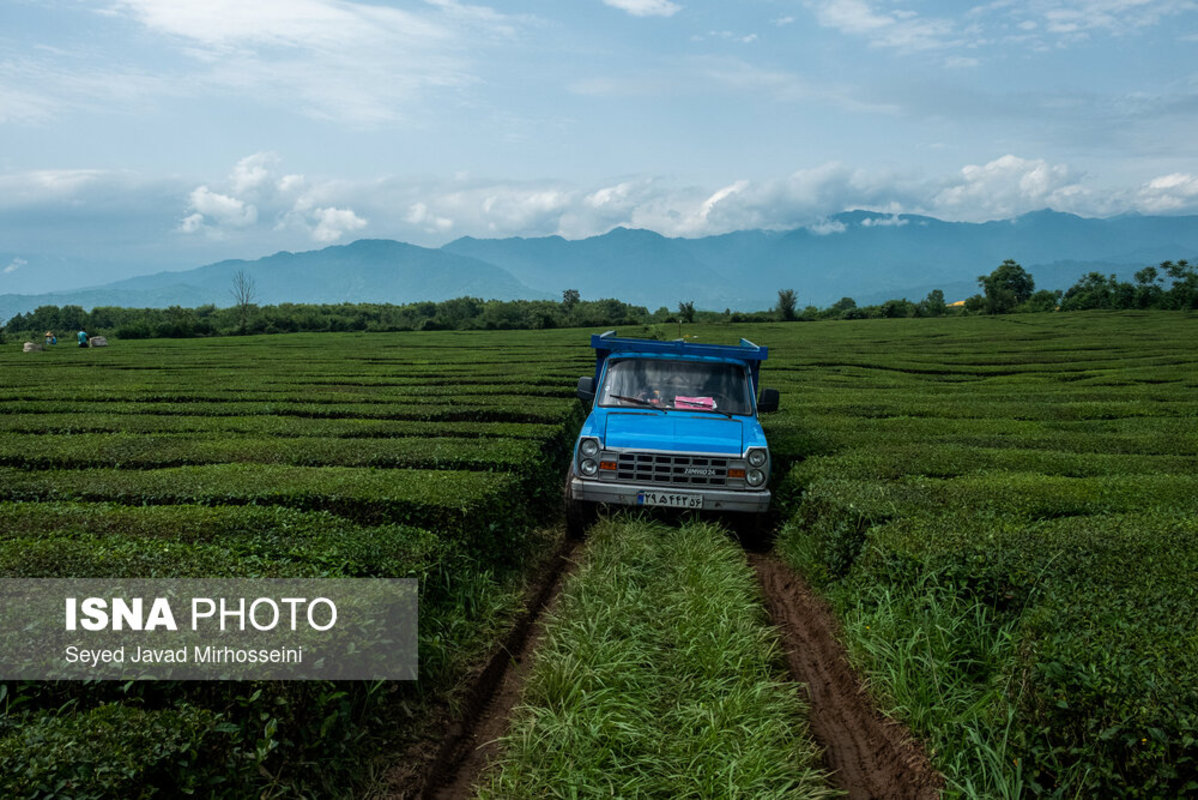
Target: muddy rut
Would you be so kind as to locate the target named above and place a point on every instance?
(452, 769)
(870, 757)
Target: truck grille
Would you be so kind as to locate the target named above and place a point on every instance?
(677, 470)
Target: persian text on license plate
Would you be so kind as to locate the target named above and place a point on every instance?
(669, 500)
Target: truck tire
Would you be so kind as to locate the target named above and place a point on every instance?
(754, 531)
(579, 514)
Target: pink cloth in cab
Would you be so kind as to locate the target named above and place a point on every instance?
(694, 402)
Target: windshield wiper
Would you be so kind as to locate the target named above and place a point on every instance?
(638, 400)
(727, 414)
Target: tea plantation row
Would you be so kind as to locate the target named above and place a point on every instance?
(1004, 513)
(434, 456)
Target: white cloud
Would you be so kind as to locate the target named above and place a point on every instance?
(14, 265)
(893, 221)
(315, 25)
(252, 172)
(419, 215)
(192, 223)
(1169, 193)
(39, 186)
(646, 8)
(1054, 23)
(352, 62)
(23, 107)
(333, 223)
(827, 227)
(1114, 16)
(220, 209)
(727, 36)
(542, 209)
(41, 84)
(902, 30)
(1008, 186)
(254, 190)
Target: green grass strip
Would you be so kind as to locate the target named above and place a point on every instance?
(659, 677)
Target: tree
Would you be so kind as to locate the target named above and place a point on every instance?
(844, 308)
(1094, 290)
(786, 305)
(570, 298)
(244, 293)
(1184, 292)
(686, 311)
(1043, 300)
(893, 309)
(1006, 287)
(932, 305)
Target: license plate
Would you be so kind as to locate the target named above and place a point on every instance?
(669, 500)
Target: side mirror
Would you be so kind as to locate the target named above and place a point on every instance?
(768, 401)
(586, 389)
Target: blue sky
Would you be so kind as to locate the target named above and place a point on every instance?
(164, 134)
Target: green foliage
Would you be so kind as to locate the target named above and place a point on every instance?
(425, 455)
(245, 317)
(686, 311)
(786, 305)
(659, 678)
(1004, 514)
(115, 751)
(933, 305)
(1006, 287)
(1009, 288)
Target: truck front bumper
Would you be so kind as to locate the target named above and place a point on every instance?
(627, 494)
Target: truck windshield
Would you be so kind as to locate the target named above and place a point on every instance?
(674, 384)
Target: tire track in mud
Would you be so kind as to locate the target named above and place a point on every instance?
(452, 770)
(869, 756)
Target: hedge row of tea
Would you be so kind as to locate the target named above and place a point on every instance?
(429, 455)
(1006, 514)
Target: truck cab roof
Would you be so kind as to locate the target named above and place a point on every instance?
(747, 353)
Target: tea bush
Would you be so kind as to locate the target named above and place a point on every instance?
(1004, 516)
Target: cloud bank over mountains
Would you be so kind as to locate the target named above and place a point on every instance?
(259, 204)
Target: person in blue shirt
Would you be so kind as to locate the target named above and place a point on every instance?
(82, 337)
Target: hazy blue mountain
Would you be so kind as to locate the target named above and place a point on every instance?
(860, 254)
(636, 266)
(369, 270)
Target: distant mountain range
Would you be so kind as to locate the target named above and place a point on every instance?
(860, 254)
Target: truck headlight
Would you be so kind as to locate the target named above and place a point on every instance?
(588, 467)
(757, 458)
(755, 477)
(589, 447)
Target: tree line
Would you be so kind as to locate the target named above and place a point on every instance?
(461, 313)
(1008, 289)
(1012, 289)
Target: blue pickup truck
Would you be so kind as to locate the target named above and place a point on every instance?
(673, 425)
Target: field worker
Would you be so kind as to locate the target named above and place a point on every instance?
(82, 337)
(51, 338)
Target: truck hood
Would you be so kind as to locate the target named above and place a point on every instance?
(674, 430)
